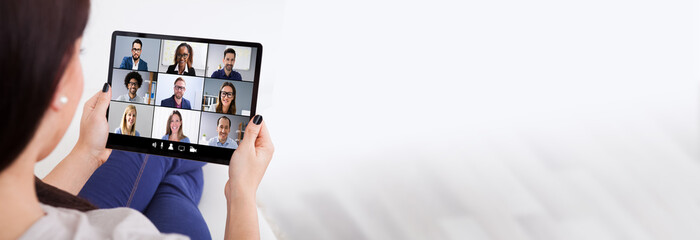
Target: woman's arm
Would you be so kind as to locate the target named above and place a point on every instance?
(246, 169)
(89, 152)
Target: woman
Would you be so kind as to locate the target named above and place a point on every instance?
(227, 99)
(128, 124)
(173, 131)
(182, 64)
(31, 44)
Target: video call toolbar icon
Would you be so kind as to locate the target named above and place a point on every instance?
(192, 149)
(170, 147)
(181, 148)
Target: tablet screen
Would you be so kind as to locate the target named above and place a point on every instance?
(180, 96)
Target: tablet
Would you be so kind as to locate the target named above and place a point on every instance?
(182, 97)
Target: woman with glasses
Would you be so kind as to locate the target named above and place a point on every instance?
(128, 124)
(227, 99)
(182, 64)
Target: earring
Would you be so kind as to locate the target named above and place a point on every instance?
(63, 100)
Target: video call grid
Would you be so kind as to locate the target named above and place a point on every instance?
(155, 91)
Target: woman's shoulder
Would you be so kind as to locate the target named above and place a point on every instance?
(118, 130)
(185, 140)
(115, 223)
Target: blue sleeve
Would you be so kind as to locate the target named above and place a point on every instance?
(186, 104)
(137, 134)
(164, 103)
(123, 65)
(165, 137)
(118, 130)
(238, 76)
(215, 74)
(185, 140)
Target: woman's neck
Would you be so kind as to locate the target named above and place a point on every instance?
(181, 68)
(19, 205)
(224, 108)
(173, 137)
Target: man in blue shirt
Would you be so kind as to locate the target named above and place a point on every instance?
(227, 72)
(134, 62)
(223, 127)
(176, 100)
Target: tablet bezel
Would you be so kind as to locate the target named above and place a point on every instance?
(149, 145)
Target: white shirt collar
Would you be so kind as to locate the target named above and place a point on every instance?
(177, 68)
(133, 64)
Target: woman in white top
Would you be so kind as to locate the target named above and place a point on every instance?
(41, 43)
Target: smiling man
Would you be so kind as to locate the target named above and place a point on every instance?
(227, 72)
(177, 100)
(134, 62)
(132, 82)
(223, 128)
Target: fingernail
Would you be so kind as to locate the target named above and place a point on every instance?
(105, 88)
(257, 119)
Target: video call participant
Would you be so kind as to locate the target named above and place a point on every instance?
(132, 81)
(223, 127)
(176, 100)
(134, 62)
(182, 64)
(128, 125)
(173, 131)
(227, 72)
(227, 99)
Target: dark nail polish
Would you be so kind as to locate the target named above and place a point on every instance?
(105, 88)
(257, 119)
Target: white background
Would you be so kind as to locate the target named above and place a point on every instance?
(458, 120)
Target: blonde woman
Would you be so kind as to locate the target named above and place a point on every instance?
(128, 125)
(173, 131)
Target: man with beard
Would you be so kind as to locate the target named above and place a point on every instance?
(132, 81)
(177, 101)
(134, 62)
(223, 128)
(227, 72)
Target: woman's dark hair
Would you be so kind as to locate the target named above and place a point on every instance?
(133, 75)
(53, 196)
(37, 41)
(232, 106)
(189, 51)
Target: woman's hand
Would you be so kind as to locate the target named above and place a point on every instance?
(245, 171)
(250, 160)
(94, 128)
